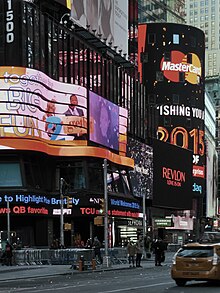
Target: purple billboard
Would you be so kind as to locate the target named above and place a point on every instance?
(103, 121)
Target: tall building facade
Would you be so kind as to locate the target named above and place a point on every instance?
(205, 15)
(161, 11)
(61, 63)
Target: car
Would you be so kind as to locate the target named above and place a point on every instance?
(210, 237)
(196, 261)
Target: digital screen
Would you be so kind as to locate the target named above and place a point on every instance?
(104, 121)
(10, 175)
(34, 105)
(172, 184)
(174, 74)
(142, 175)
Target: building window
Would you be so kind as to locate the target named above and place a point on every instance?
(175, 99)
(167, 56)
(151, 38)
(167, 121)
(159, 76)
(176, 39)
(188, 122)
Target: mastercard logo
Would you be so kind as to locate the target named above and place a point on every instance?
(178, 67)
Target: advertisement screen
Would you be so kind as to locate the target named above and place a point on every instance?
(142, 175)
(34, 105)
(107, 19)
(171, 63)
(172, 182)
(104, 121)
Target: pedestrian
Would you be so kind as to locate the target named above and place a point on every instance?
(139, 251)
(131, 250)
(147, 246)
(97, 249)
(9, 253)
(158, 249)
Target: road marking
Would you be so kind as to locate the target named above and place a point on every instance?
(134, 288)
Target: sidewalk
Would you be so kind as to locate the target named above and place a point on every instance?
(36, 271)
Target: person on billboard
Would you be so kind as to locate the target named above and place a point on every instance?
(107, 132)
(50, 111)
(73, 110)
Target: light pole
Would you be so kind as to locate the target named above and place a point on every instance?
(8, 222)
(144, 218)
(61, 213)
(106, 257)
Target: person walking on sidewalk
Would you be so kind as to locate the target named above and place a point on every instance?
(97, 249)
(139, 251)
(131, 250)
(158, 249)
(9, 254)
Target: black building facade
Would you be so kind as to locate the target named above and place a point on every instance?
(45, 58)
(171, 64)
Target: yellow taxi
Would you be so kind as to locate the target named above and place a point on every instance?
(196, 261)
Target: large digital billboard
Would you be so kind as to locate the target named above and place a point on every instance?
(172, 181)
(34, 105)
(171, 63)
(107, 19)
(41, 114)
(142, 175)
(104, 121)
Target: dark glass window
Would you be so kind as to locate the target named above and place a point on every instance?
(10, 175)
(151, 38)
(74, 175)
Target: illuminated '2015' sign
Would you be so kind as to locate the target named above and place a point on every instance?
(177, 134)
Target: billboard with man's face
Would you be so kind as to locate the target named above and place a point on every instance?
(41, 114)
(34, 105)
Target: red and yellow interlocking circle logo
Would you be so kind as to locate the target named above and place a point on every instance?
(182, 67)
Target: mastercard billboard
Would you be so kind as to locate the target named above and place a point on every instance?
(171, 64)
(179, 63)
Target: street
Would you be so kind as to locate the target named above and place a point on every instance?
(139, 280)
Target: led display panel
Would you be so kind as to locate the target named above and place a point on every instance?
(171, 63)
(104, 121)
(142, 175)
(172, 177)
(34, 105)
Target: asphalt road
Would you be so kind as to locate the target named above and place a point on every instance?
(138, 280)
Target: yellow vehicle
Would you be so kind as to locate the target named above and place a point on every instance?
(196, 261)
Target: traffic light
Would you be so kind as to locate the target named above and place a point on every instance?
(69, 202)
(102, 205)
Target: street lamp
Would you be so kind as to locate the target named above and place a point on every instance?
(106, 259)
(8, 223)
(61, 213)
(144, 216)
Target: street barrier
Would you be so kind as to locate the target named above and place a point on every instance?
(70, 256)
